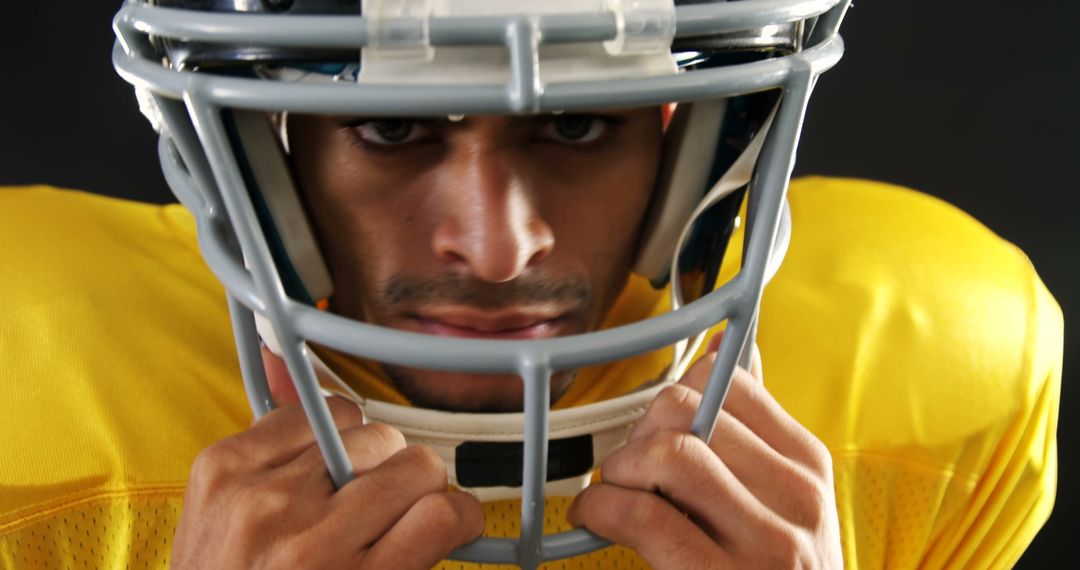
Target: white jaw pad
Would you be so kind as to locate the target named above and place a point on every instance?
(491, 64)
(268, 165)
(689, 150)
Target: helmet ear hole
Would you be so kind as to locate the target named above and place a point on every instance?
(277, 203)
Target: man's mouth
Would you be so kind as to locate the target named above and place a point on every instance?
(467, 322)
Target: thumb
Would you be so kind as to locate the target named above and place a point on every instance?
(278, 379)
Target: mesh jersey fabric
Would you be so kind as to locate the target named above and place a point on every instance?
(921, 348)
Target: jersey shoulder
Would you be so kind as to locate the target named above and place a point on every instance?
(925, 351)
(115, 334)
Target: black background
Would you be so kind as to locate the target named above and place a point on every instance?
(973, 101)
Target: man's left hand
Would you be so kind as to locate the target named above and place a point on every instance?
(760, 494)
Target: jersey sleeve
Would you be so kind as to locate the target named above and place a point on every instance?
(926, 353)
(118, 369)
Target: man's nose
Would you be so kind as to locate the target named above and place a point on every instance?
(489, 223)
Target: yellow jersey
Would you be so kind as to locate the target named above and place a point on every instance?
(922, 349)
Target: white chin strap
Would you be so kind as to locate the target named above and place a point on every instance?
(585, 435)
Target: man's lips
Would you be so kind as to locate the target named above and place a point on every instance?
(507, 325)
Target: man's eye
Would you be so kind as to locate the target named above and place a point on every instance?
(389, 132)
(573, 129)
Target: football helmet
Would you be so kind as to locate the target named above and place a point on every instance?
(218, 78)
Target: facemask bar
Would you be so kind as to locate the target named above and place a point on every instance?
(196, 123)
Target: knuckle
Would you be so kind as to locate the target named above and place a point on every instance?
(669, 447)
(389, 437)
(370, 445)
(641, 511)
(676, 399)
(363, 444)
(812, 500)
(660, 452)
(255, 507)
(215, 466)
(785, 547)
(602, 509)
(427, 462)
(298, 551)
(821, 456)
(439, 513)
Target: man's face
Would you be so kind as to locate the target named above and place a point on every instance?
(486, 227)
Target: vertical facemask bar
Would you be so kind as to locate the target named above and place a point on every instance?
(523, 45)
(219, 251)
(753, 202)
(207, 121)
(172, 164)
(746, 353)
(828, 24)
(781, 240)
(251, 365)
(536, 376)
(767, 189)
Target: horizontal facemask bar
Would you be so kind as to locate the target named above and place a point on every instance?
(443, 100)
(353, 32)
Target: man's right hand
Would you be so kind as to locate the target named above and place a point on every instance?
(263, 498)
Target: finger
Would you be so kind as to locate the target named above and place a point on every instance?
(366, 446)
(752, 404)
(755, 355)
(284, 433)
(783, 485)
(714, 342)
(280, 382)
(673, 408)
(382, 496)
(278, 379)
(430, 530)
(688, 473)
(697, 376)
(648, 524)
(756, 370)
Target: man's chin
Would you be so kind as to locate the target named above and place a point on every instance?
(470, 393)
